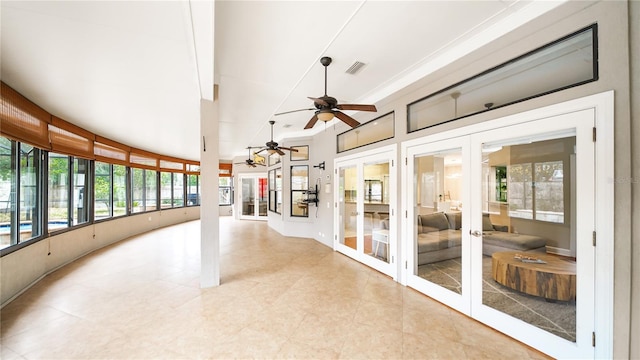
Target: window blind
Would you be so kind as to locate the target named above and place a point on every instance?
(22, 120)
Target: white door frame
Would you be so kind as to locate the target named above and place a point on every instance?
(602, 105)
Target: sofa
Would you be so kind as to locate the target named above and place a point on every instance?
(440, 238)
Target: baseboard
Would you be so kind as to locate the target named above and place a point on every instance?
(559, 251)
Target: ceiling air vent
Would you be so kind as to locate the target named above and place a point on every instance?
(355, 67)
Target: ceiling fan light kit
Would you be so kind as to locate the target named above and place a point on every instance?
(327, 107)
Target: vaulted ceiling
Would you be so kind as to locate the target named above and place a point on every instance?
(135, 71)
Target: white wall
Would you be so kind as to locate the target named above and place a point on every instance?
(23, 268)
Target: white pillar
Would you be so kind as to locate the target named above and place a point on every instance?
(209, 210)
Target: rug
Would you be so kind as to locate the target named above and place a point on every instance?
(558, 318)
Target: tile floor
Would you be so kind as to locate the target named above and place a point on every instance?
(280, 297)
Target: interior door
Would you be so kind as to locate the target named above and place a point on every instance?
(365, 199)
(253, 197)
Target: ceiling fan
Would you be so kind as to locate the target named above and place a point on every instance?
(327, 107)
(250, 162)
(272, 146)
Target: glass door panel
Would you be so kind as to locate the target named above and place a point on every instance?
(263, 197)
(528, 259)
(532, 255)
(376, 210)
(348, 206)
(438, 248)
(247, 186)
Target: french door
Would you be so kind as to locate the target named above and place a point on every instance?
(495, 229)
(365, 208)
(253, 196)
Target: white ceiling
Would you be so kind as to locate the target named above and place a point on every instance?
(134, 71)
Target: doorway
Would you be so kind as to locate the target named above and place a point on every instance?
(253, 196)
(365, 208)
(495, 230)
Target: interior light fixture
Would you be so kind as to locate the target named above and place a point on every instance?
(325, 116)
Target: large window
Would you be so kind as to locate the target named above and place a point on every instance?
(299, 187)
(110, 190)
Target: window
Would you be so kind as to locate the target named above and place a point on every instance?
(537, 191)
(299, 187)
(564, 63)
(143, 188)
(193, 190)
(103, 197)
(119, 190)
(20, 193)
(58, 191)
(80, 195)
(378, 129)
(178, 190)
(225, 191)
(166, 185)
(299, 153)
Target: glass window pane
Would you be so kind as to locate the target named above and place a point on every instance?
(225, 196)
(102, 191)
(378, 129)
(178, 190)
(30, 193)
(58, 194)
(298, 206)
(80, 184)
(137, 188)
(193, 193)
(119, 190)
(165, 190)
(150, 190)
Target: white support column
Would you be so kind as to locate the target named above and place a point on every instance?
(209, 211)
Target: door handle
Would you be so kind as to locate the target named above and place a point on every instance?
(475, 233)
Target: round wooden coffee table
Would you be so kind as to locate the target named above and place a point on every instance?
(553, 280)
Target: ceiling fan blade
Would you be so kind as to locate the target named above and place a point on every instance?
(346, 118)
(259, 151)
(312, 122)
(280, 152)
(286, 148)
(260, 164)
(358, 107)
(292, 111)
(318, 101)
